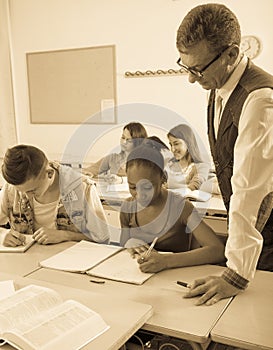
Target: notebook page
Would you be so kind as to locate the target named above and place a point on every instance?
(197, 195)
(120, 267)
(19, 249)
(80, 257)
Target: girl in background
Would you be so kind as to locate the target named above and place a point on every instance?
(153, 211)
(113, 165)
(156, 142)
(186, 168)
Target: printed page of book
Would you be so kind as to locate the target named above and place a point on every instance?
(120, 267)
(19, 249)
(80, 257)
(6, 289)
(36, 318)
(25, 304)
(68, 326)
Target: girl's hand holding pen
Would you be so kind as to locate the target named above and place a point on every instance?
(155, 262)
(14, 238)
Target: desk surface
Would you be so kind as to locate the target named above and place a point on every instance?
(123, 316)
(214, 205)
(23, 263)
(247, 322)
(173, 315)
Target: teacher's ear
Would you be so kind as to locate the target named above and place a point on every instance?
(233, 54)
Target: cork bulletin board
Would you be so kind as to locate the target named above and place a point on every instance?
(72, 86)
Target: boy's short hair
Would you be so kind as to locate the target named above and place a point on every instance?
(21, 163)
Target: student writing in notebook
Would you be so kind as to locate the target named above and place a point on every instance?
(186, 168)
(153, 211)
(113, 165)
(52, 202)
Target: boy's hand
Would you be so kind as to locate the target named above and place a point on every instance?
(48, 236)
(14, 238)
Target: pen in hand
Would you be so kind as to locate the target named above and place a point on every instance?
(19, 236)
(148, 252)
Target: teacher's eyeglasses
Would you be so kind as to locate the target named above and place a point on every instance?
(199, 73)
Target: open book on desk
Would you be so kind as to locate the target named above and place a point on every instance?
(195, 195)
(116, 192)
(18, 249)
(98, 260)
(113, 192)
(81, 257)
(120, 267)
(36, 318)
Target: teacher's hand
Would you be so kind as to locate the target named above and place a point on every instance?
(212, 289)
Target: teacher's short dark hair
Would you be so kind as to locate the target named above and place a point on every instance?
(214, 23)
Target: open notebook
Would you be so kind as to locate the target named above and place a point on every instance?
(81, 257)
(120, 267)
(196, 195)
(99, 260)
(19, 249)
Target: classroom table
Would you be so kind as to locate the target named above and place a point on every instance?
(123, 316)
(24, 263)
(247, 322)
(214, 206)
(173, 315)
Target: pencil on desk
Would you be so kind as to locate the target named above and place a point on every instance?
(183, 284)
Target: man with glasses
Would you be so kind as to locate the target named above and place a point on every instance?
(240, 132)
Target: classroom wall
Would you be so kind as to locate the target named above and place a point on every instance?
(144, 33)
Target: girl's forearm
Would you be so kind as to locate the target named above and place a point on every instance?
(199, 256)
